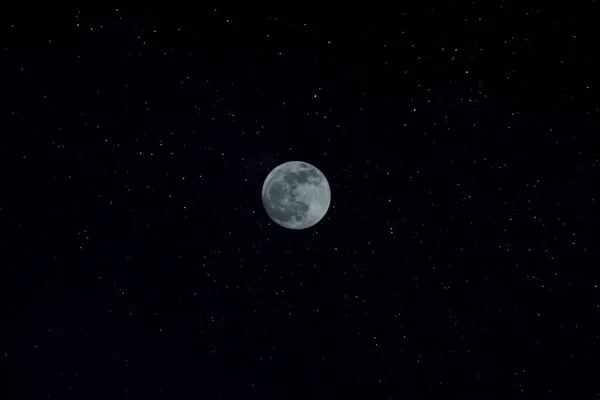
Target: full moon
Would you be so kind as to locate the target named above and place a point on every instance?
(296, 195)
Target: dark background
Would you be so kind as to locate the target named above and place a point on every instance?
(457, 259)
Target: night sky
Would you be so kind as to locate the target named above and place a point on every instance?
(458, 257)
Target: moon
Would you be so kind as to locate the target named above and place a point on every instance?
(296, 195)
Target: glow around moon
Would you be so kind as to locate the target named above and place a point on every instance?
(296, 195)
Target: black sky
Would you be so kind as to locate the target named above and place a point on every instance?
(457, 260)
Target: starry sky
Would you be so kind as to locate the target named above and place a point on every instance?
(460, 141)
